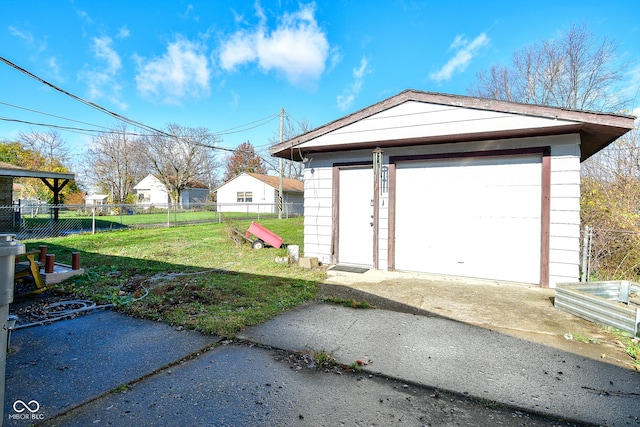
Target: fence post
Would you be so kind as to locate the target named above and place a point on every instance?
(93, 220)
(586, 254)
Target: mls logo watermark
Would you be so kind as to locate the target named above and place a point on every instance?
(26, 411)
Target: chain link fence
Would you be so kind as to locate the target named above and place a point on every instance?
(39, 221)
(610, 254)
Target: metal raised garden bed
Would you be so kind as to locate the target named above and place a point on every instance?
(614, 303)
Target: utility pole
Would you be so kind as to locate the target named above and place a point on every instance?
(280, 198)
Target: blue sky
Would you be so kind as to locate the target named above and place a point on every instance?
(231, 65)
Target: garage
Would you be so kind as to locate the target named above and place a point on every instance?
(472, 217)
(451, 185)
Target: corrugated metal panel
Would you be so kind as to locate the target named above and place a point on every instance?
(599, 303)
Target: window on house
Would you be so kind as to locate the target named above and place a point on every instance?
(245, 197)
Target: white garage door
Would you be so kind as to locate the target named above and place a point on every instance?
(473, 217)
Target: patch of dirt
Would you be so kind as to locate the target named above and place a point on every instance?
(522, 311)
(40, 307)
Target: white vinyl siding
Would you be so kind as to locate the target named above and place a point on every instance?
(318, 203)
(412, 119)
(564, 231)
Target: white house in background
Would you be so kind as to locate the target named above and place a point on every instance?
(259, 193)
(96, 199)
(151, 191)
(461, 186)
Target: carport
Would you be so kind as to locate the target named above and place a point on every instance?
(54, 180)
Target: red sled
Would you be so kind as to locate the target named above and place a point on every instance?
(264, 235)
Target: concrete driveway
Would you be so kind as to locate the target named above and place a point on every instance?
(419, 365)
(523, 311)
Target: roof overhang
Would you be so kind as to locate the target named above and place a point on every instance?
(10, 170)
(597, 130)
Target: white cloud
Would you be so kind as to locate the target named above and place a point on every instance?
(84, 15)
(103, 50)
(465, 52)
(54, 68)
(297, 48)
(28, 39)
(25, 36)
(345, 101)
(182, 71)
(102, 79)
(123, 33)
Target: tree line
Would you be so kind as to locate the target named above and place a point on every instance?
(117, 159)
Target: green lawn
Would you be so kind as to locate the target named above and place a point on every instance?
(190, 275)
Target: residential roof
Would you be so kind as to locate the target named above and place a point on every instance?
(288, 184)
(97, 197)
(191, 182)
(597, 130)
(7, 169)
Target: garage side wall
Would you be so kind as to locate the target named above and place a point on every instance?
(318, 193)
(564, 215)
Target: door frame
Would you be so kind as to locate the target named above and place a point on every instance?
(335, 214)
(545, 183)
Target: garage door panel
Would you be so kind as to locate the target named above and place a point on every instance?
(470, 217)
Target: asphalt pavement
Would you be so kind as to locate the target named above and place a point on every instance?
(105, 368)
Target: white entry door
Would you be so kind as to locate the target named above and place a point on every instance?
(355, 207)
(474, 217)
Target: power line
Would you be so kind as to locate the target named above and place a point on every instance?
(82, 100)
(132, 122)
(51, 115)
(233, 130)
(67, 128)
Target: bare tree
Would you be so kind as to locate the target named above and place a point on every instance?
(291, 129)
(49, 145)
(574, 70)
(44, 151)
(183, 155)
(116, 163)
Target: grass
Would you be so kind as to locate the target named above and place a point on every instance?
(631, 346)
(347, 302)
(193, 276)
